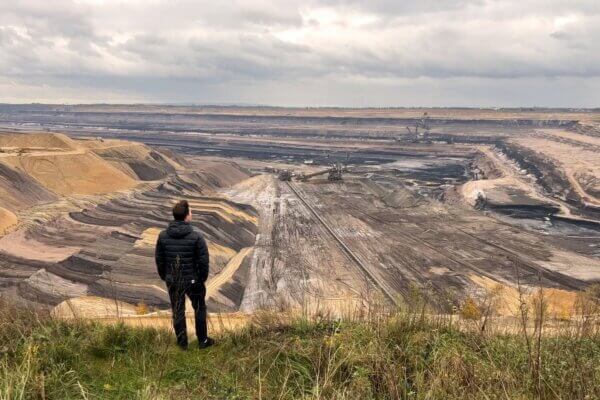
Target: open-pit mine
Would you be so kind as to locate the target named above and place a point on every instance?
(302, 208)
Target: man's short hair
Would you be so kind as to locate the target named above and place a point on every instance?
(181, 210)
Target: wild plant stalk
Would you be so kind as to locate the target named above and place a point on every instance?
(114, 294)
(539, 326)
(162, 354)
(259, 376)
(585, 325)
(386, 344)
(523, 313)
(489, 305)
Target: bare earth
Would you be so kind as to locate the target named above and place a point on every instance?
(492, 201)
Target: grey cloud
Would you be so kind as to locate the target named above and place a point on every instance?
(151, 48)
(396, 7)
(49, 18)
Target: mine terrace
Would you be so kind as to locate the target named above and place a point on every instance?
(301, 207)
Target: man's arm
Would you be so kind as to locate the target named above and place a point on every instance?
(201, 259)
(159, 256)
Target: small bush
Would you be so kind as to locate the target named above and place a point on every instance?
(470, 310)
(141, 308)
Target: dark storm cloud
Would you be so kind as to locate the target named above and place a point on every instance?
(256, 51)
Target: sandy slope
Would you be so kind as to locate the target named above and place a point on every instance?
(227, 273)
(39, 168)
(577, 160)
(73, 173)
(134, 159)
(7, 220)
(61, 164)
(510, 178)
(18, 244)
(38, 141)
(506, 299)
(570, 136)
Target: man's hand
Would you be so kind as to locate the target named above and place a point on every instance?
(159, 257)
(201, 259)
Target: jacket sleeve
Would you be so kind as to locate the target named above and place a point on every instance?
(159, 256)
(201, 259)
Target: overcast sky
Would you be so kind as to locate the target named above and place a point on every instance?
(302, 53)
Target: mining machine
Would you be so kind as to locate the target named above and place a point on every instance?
(284, 175)
(334, 172)
(423, 136)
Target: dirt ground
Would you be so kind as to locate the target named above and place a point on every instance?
(407, 220)
(405, 243)
(578, 158)
(7, 221)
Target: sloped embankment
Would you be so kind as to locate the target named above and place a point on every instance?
(102, 244)
(70, 173)
(39, 168)
(19, 190)
(7, 220)
(136, 160)
(37, 141)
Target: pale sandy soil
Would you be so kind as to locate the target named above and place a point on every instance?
(251, 188)
(296, 263)
(224, 210)
(93, 307)
(227, 273)
(510, 178)
(575, 265)
(7, 221)
(81, 167)
(63, 165)
(507, 300)
(17, 244)
(73, 172)
(119, 152)
(38, 141)
(571, 136)
(575, 161)
(96, 144)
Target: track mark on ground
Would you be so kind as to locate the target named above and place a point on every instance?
(227, 273)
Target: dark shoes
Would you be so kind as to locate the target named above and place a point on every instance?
(182, 347)
(202, 345)
(206, 343)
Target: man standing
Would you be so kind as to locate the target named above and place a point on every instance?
(182, 262)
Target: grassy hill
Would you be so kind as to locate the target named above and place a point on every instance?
(400, 356)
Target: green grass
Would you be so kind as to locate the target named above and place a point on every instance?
(397, 357)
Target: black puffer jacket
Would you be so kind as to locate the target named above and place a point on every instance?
(181, 254)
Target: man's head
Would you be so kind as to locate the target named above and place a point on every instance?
(182, 212)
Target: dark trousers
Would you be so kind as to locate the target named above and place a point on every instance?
(196, 292)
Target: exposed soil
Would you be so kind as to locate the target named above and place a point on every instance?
(504, 198)
(7, 221)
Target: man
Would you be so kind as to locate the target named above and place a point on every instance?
(182, 262)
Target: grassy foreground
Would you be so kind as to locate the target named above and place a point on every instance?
(397, 357)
